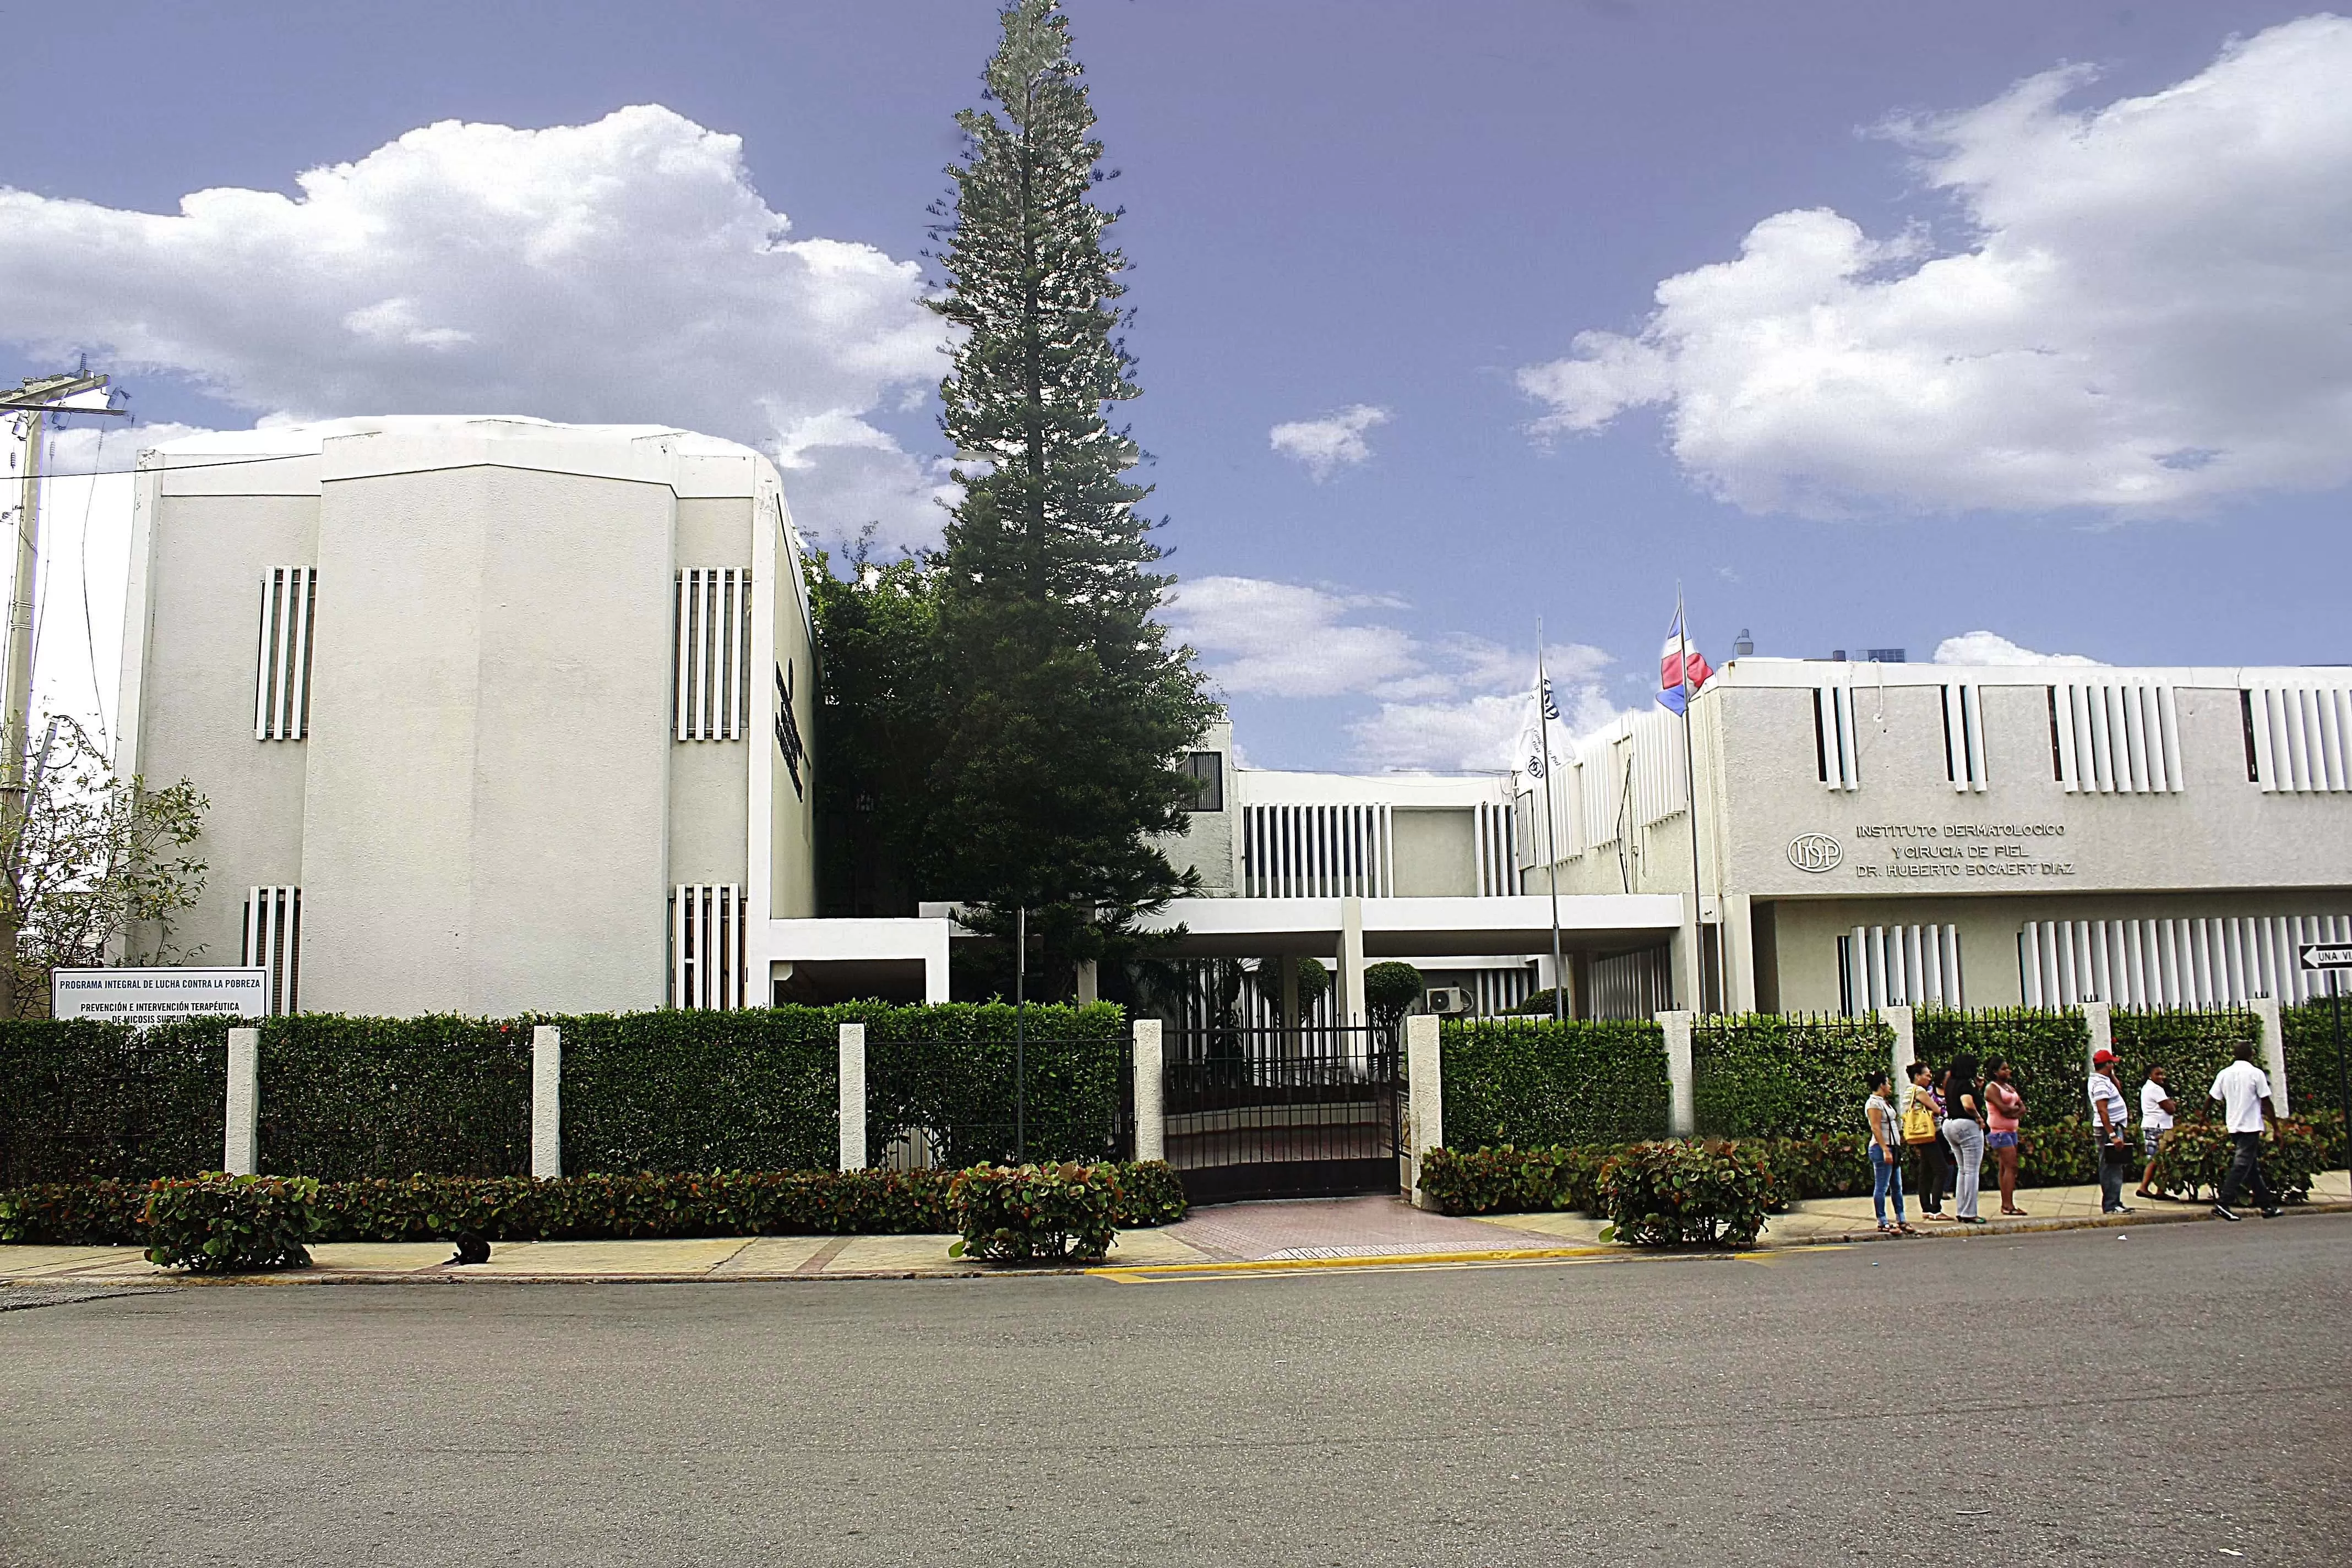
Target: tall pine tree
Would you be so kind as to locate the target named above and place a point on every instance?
(1063, 709)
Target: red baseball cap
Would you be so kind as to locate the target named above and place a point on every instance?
(2102, 1058)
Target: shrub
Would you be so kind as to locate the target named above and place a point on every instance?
(218, 1224)
(949, 1070)
(344, 1099)
(1686, 1193)
(1764, 1077)
(1510, 1180)
(754, 1090)
(594, 1207)
(1532, 1083)
(2196, 1044)
(1390, 989)
(1035, 1213)
(2196, 1159)
(103, 1213)
(2049, 1053)
(2311, 1080)
(81, 1099)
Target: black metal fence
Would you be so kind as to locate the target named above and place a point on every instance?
(1316, 1110)
(955, 1102)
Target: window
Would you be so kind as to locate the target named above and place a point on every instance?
(707, 965)
(1964, 748)
(273, 941)
(2117, 738)
(281, 676)
(711, 667)
(2172, 962)
(1207, 771)
(1898, 966)
(1838, 762)
(2299, 738)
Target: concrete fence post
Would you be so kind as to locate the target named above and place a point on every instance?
(1906, 1045)
(1425, 1085)
(241, 1148)
(1682, 1104)
(2098, 1018)
(853, 1097)
(2266, 1008)
(1150, 1124)
(546, 1102)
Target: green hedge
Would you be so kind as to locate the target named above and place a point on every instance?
(1530, 1081)
(2311, 1080)
(751, 1091)
(1759, 1076)
(345, 1098)
(1522, 1181)
(231, 1224)
(949, 1070)
(2195, 1043)
(2049, 1053)
(83, 1101)
(585, 1208)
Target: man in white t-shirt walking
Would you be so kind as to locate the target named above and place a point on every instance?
(2244, 1091)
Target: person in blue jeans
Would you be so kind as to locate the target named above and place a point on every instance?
(1886, 1125)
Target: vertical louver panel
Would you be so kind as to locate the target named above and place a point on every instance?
(2117, 738)
(1498, 859)
(1834, 749)
(2191, 962)
(1661, 784)
(706, 963)
(2302, 738)
(1964, 747)
(712, 664)
(273, 941)
(281, 675)
(1317, 851)
(1899, 966)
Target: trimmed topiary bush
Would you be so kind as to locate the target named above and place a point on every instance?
(1686, 1193)
(218, 1224)
(1036, 1214)
(1534, 1082)
(1759, 1076)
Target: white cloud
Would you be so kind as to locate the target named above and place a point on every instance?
(624, 270)
(1991, 647)
(2147, 316)
(1446, 704)
(1330, 443)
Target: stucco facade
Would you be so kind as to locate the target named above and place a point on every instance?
(494, 715)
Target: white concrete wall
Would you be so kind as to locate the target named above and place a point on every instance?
(1437, 852)
(482, 836)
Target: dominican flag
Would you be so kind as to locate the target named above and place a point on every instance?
(1682, 669)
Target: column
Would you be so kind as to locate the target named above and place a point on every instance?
(1425, 1083)
(1351, 962)
(241, 1148)
(546, 1102)
(1737, 937)
(853, 1097)
(1089, 982)
(1682, 1106)
(2266, 1008)
(2098, 1018)
(1685, 955)
(1906, 1046)
(1150, 1121)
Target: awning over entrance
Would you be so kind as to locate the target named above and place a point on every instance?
(1418, 928)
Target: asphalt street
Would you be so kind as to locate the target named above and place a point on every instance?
(2169, 1395)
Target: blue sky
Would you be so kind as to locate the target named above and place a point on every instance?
(2068, 363)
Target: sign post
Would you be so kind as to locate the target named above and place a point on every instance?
(2333, 959)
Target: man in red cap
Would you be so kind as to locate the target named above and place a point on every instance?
(2111, 1125)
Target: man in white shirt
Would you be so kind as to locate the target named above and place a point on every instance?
(2244, 1091)
(2156, 1110)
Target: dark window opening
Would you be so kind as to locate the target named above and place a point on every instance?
(1207, 771)
(2246, 716)
(2057, 769)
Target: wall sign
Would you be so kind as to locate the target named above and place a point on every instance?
(158, 995)
(1965, 851)
(1815, 852)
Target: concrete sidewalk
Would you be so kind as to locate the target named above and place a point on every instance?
(1326, 1232)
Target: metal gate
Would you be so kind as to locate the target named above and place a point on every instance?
(1311, 1112)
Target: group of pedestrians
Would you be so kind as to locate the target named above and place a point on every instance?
(1943, 1123)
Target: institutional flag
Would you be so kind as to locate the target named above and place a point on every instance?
(1535, 757)
(1682, 669)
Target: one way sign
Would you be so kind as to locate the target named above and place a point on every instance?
(2326, 955)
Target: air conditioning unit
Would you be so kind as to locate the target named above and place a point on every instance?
(1447, 1001)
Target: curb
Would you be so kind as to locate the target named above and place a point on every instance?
(2184, 1214)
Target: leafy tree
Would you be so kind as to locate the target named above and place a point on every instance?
(92, 865)
(1063, 710)
(1390, 991)
(1313, 980)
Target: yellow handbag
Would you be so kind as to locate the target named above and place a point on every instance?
(1918, 1122)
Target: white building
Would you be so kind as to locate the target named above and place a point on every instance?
(494, 715)
(1870, 832)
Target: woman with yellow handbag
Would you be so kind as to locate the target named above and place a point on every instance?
(1923, 1115)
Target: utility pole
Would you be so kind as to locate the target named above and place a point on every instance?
(34, 403)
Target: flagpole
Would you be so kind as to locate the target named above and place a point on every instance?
(1690, 789)
(1551, 822)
